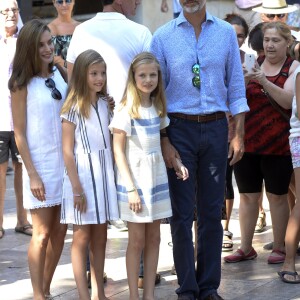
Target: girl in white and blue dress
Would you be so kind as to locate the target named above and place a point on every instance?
(142, 184)
(288, 271)
(89, 193)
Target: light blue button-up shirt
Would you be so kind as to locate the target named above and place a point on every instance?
(222, 82)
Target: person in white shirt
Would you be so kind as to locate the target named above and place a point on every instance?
(244, 8)
(116, 38)
(9, 13)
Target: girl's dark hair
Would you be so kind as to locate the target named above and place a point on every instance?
(256, 38)
(235, 19)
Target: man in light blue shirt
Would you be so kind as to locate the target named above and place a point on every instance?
(203, 78)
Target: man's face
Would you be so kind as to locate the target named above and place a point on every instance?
(129, 7)
(274, 17)
(192, 6)
(9, 14)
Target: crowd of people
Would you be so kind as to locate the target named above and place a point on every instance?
(108, 122)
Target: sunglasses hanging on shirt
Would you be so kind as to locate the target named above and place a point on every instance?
(196, 72)
(55, 93)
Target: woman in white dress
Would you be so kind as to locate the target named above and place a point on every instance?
(38, 91)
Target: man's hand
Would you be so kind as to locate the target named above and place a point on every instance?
(236, 147)
(164, 6)
(170, 154)
(236, 150)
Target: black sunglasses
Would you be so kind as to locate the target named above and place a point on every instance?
(55, 93)
(272, 16)
(61, 2)
(196, 78)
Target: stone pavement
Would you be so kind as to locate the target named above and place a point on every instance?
(250, 280)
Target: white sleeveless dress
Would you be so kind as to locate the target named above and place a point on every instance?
(43, 132)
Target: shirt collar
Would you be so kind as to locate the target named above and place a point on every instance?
(181, 18)
(110, 16)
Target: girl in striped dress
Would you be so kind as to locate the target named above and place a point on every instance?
(89, 193)
(142, 184)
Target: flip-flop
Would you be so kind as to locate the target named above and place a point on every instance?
(3, 232)
(26, 229)
(294, 274)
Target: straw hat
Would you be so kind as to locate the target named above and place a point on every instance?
(275, 7)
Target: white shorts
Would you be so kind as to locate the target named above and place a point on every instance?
(295, 151)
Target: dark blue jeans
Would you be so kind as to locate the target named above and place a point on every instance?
(203, 150)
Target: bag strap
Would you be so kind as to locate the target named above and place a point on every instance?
(277, 106)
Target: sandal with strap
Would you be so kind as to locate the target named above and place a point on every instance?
(227, 241)
(26, 229)
(294, 275)
(261, 223)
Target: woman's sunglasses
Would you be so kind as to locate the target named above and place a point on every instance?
(61, 2)
(55, 93)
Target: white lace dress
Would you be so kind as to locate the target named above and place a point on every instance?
(43, 132)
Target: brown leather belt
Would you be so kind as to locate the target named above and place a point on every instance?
(200, 118)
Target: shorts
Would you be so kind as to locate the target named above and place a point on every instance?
(274, 170)
(8, 143)
(295, 151)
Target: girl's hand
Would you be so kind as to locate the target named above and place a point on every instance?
(182, 172)
(134, 201)
(37, 187)
(80, 202)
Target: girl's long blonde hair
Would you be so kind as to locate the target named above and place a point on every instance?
(78, 95)
(131, 97)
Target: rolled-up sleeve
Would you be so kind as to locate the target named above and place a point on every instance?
(236, 92)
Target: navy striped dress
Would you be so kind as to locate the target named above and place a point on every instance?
(94, 162)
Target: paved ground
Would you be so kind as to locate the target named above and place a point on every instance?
(251, 280)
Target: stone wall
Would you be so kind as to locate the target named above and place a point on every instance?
(150, 15)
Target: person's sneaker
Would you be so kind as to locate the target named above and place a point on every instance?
(88, 276)
(268, 246)
(239, 255)
(118, 224)
(276, 257)
(261, 223)
(9, 170)
(173, 270)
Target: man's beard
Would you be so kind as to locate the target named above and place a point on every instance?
(195, 8)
